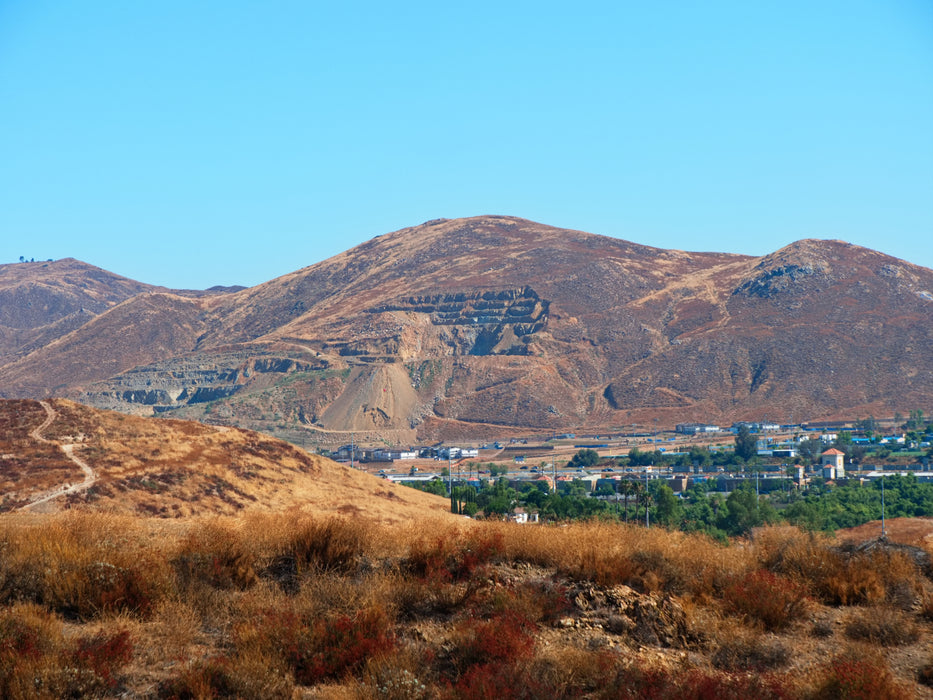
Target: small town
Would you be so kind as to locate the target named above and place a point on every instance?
(766, 457)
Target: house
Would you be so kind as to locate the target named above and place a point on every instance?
(354, 452)
(520, 515)
(695, 428)
(393, 455)
(757, 426)
(833, 462)
(457, 452)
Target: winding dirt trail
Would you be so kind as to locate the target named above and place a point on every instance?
(89, 474)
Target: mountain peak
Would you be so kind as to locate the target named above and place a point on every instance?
(492, 324)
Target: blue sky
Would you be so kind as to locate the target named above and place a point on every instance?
(193, 144)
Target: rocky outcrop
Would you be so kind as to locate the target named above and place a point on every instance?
(174, 383)
(494, 324)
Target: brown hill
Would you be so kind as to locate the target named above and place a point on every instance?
(480, 327)
(63, 455)
(45, 300)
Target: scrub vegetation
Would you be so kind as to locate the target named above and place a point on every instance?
(270, 605)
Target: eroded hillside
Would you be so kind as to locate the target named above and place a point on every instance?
(488, 325)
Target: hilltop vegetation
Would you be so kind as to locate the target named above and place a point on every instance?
(263, 605)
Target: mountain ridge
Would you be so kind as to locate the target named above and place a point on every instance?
(506, 324)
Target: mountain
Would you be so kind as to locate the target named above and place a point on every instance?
(485, 326)
(107, 461)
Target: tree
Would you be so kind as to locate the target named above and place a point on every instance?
(746, 444)
(843, 443)
(810, 450)
(584, 458)
(627, 488)
(667, 506)
(868, 426)
(743, 512)
(700, 456)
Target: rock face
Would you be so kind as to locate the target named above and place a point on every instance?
(487, 325)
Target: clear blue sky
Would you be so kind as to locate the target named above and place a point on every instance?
(228, 142)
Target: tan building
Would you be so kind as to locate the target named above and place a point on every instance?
(834, 459)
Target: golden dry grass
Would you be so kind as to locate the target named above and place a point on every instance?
(266, 604)
(173, 469)
(289, 573)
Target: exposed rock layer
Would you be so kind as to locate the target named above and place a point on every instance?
(487, 325)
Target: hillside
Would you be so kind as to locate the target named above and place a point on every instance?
(486, 326)
(291, 605)
(113, 463)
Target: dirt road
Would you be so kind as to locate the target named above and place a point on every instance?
(89, 475)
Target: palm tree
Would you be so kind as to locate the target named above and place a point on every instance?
(637, 490)
(626, 488)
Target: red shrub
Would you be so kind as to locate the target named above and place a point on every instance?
(445, 560)
(19, 640)
(505, 638)
(496, 680)
(859, 679)
(767, 598)
(636, 682)
(104, 655)
(341, 645)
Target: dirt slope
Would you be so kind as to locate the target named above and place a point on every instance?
(172, 468)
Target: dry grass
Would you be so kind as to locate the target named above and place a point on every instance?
(179, 469)
(262, 605)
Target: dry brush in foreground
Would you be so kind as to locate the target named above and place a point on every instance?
(277, 605)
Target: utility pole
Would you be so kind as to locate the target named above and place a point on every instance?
(883, 533)
(647, 524)
(352, 450)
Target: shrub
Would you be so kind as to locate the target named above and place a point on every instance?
(766, 598)
(331, 545)
(30, 639)
(750, 654)
(504, 638)
(640, 682)
(332, 648)
(211, 678)
(216, 556)
(859, 679)
(926, 607)
(449, 558)
(844, 575)
(925, 675)
(104, 655)
(80, 567)
(885, 627)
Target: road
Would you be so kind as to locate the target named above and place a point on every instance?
(90, 476)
